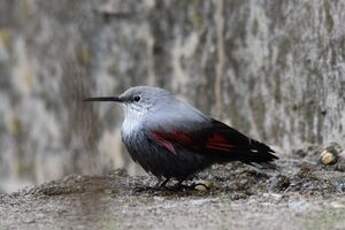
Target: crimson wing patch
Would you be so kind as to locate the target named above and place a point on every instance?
(163, 140)
(195, 141)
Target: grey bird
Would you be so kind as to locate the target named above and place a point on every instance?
(173, 140)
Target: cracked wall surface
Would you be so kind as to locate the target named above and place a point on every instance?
(272, 69)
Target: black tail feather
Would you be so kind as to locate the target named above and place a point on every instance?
(245, 149)
(253, 154)
(257, 152)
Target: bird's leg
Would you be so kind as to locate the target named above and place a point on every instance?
(159, 186)
(180, 185)
(163, 184)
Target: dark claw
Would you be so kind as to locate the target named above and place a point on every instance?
(163, 184)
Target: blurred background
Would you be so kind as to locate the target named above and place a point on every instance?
(272, 69)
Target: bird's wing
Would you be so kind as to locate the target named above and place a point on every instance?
(216, 140)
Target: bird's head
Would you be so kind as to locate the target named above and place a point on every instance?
(139, 99)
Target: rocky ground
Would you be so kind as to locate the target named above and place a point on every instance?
(306, 192)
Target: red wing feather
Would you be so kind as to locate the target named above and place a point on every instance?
(196, 141)
(161, 138)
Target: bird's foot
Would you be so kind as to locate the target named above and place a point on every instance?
(159, 186)
(162, 184)
(178, 187)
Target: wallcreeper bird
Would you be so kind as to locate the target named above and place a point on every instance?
(172, 139)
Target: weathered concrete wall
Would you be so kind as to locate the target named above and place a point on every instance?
(273, 69)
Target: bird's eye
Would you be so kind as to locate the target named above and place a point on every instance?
(136, 98)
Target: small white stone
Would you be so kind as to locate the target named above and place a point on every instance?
(204, 185)
(328, 158)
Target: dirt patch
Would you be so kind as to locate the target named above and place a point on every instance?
(303, 191)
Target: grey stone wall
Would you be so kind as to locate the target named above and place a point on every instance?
(272, 69)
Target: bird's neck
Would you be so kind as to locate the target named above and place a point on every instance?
(133, 122)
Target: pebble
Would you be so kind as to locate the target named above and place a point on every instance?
(204, 186)
(328, 158)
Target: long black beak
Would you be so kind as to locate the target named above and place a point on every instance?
(117, 99)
